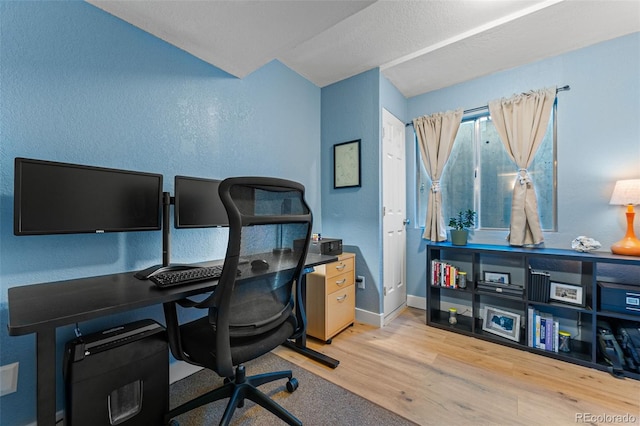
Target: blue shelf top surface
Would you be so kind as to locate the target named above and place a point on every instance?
(596, 256)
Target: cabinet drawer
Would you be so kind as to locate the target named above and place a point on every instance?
(338, 282)
(344, 264)
(341, 307)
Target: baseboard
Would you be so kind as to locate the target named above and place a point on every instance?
(59, 419)
(179, 370)
(377, 320)
(417, 302)
(370, 318)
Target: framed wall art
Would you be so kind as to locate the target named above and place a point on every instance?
(346, 164)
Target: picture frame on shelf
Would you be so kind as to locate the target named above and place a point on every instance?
(566, 293)
(501, 323)
(346, 164)
(496, 277)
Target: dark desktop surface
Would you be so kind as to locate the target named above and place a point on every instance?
(41, 308)
(49, 305)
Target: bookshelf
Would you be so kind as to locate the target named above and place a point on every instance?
(523, 297)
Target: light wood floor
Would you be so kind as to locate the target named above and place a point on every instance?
(434, 377)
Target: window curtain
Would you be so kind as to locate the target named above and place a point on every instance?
(436, 134)
(521, 122)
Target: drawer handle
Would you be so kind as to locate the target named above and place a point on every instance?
(341, 298)
(341, 267)
(341, 282)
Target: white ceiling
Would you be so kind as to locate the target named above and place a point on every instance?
(419, 46)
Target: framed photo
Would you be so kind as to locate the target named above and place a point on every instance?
(346, 164)
(567, 293)
(497, 277)
(502, 323)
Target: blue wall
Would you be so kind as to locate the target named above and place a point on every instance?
(79, 85)
(351, 110)
(598, 139)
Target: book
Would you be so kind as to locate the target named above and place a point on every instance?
(444, 274)
(530, 326)
(549, 330)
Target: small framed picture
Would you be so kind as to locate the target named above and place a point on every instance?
(502, 323)
(346, 164)
(567, 293)
(497, 277)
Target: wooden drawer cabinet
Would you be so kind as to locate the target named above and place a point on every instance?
(331, 298)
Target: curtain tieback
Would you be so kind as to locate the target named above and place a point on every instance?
(435, 186)
(523, 177)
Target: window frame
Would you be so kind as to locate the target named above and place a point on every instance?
(476, 115)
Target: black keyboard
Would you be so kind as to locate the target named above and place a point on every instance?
(186, 276)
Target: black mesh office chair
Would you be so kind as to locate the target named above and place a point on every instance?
(252, 313)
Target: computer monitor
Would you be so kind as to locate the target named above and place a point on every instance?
(63, 198)
(197, 203)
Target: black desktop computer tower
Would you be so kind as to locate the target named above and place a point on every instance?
(118, 377)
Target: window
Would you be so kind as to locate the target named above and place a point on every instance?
(480, 175)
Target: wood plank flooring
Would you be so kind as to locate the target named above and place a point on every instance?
(434, 377)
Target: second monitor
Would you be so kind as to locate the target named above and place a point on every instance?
(198, 204)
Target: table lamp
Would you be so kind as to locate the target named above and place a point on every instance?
(627, 193)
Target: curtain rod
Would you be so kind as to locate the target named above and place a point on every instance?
(482, 108)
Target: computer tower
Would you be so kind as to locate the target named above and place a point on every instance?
(118, 377)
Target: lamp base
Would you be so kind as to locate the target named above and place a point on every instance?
(628, 246)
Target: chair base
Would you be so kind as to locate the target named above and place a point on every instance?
(239, 388)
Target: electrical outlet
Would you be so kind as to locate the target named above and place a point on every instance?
(8, 378)
(360, 281)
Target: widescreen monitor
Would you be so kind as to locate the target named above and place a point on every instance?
(62, 198)
(197, 203)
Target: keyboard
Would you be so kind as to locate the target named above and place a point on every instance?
(186, 276)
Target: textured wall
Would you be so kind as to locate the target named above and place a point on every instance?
(598, 138)
(78, 85)
(351, 110)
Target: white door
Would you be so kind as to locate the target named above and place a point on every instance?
(394, 215)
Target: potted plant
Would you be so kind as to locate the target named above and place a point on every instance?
(460, 225)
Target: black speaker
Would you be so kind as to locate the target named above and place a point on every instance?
(118, 377)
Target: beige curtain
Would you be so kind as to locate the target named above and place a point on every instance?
(436, 134)
(521, 122)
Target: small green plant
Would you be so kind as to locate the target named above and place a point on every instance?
(464, 220)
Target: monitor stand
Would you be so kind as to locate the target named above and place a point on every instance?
(147, 273)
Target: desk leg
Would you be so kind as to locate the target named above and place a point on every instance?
(310, 353)
(300, 344)
(46, 376)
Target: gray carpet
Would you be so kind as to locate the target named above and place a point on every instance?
(315, 402)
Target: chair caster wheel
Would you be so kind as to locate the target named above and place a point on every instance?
(292, 384)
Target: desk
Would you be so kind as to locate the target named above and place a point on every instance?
(41, 308)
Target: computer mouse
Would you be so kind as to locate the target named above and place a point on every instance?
(259, 265)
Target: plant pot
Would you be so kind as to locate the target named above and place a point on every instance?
(459, 237)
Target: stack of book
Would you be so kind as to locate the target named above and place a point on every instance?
(539, 286)
(543, 331)
(444, 274)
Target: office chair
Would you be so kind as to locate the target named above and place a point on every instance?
(252, 313)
